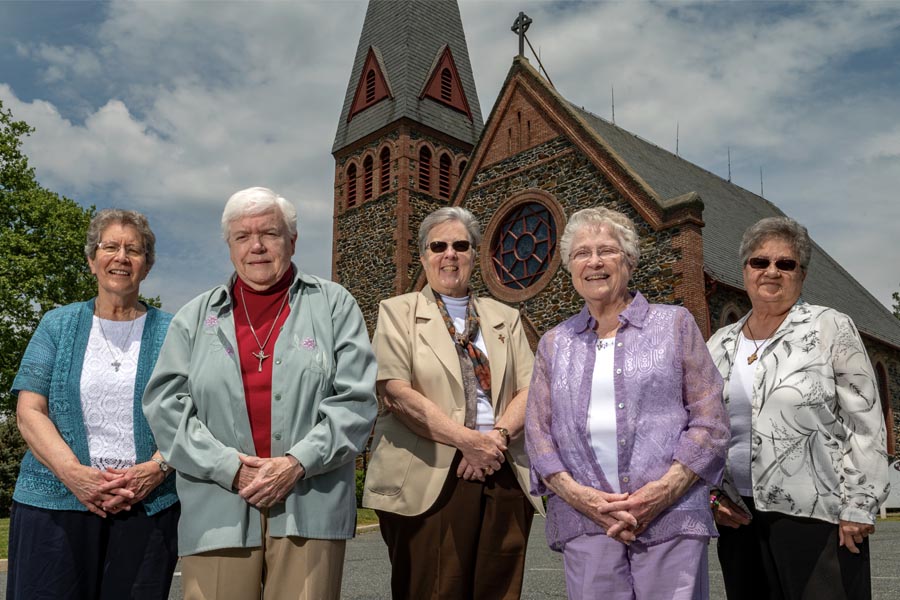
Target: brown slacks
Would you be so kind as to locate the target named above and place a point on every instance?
(285, 568)
(469, 545)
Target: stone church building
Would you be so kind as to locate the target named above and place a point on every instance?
(411, 139)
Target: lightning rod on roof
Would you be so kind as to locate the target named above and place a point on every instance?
(729, 164)
(613, 93)
(677, 131)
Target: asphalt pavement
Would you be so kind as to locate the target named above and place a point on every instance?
(367, 571)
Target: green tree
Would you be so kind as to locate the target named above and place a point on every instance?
(896, 307)
(42, 263)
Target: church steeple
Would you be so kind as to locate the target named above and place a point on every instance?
(411, 42)
(409, 121)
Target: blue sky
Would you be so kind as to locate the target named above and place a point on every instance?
(169, 107)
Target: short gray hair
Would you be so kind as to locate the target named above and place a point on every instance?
(256, 201)
(621, 227)
(783, 228)
(118, 216)
(449, 213)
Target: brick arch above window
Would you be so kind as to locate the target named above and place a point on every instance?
(731, 313)
(520, 252)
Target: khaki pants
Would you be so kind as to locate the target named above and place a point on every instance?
(287, 568)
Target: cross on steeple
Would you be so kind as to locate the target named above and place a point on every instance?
(520, 26)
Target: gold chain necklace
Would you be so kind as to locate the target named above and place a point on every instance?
(261, 355)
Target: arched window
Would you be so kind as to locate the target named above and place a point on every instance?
(425, 169)
(446, 85)
(368, 168)
(351, 186)
(444, 176)
(462, 167)
(370, 86)
(384, 168)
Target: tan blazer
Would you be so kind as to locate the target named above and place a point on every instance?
(411, 343)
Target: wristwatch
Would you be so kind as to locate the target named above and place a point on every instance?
(504, 432)
(163, 465)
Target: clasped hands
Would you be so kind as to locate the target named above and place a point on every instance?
(482, 454)
(113, 490)
(625, 516)
(264, 482)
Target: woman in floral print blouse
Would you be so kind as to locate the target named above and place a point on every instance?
(807, 466)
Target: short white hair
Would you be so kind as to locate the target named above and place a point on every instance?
(620, 226)
(257, 201)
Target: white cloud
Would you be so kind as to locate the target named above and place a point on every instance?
(199, 99)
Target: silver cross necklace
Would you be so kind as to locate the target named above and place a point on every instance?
(261, 355)
(117, 361)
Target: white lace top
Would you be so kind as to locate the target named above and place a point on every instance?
(107, 392)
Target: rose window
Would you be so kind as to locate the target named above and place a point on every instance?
(524, 245)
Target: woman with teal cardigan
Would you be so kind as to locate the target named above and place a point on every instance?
(94, 511)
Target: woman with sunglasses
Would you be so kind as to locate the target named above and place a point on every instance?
(448, 468)
(807, 469)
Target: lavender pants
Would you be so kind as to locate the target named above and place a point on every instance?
(600, 567)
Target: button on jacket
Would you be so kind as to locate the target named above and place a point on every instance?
(323, 391)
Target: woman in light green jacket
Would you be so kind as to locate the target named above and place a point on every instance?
(262, 398)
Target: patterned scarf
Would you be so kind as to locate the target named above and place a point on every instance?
(472, 361)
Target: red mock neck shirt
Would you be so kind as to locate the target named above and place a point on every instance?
(262, 308)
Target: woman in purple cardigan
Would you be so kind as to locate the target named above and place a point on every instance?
(625, 428)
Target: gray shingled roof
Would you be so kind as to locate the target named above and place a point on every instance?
(728, 211)
(408, 35)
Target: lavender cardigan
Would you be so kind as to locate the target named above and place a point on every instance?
(669, 407)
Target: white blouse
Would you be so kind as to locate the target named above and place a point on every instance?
(107, 391)
(602, 413)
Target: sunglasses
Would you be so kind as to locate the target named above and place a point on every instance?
(458, 245)
(782, 264)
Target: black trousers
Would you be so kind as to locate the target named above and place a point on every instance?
(782, 557)
(80, 556)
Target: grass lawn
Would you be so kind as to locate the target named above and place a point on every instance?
(365, 516)
(4, 537)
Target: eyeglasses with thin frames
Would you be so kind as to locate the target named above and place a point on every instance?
(605, 254)
(761, 263)
(459, 245)
(112, 249)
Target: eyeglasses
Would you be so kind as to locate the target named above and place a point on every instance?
(782, 264)
(112, 249)
(458, 245)
(585, 254)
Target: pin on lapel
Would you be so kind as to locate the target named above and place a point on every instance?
(502, 338)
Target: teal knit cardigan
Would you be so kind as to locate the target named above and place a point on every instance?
(52, 367)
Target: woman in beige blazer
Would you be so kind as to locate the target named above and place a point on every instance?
(448, 475)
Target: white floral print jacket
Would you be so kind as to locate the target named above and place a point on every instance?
(818, 445)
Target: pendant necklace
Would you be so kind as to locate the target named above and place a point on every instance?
(117, 361)
(752, 358)
(261, 355)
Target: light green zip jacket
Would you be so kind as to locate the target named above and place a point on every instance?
(323, 406)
